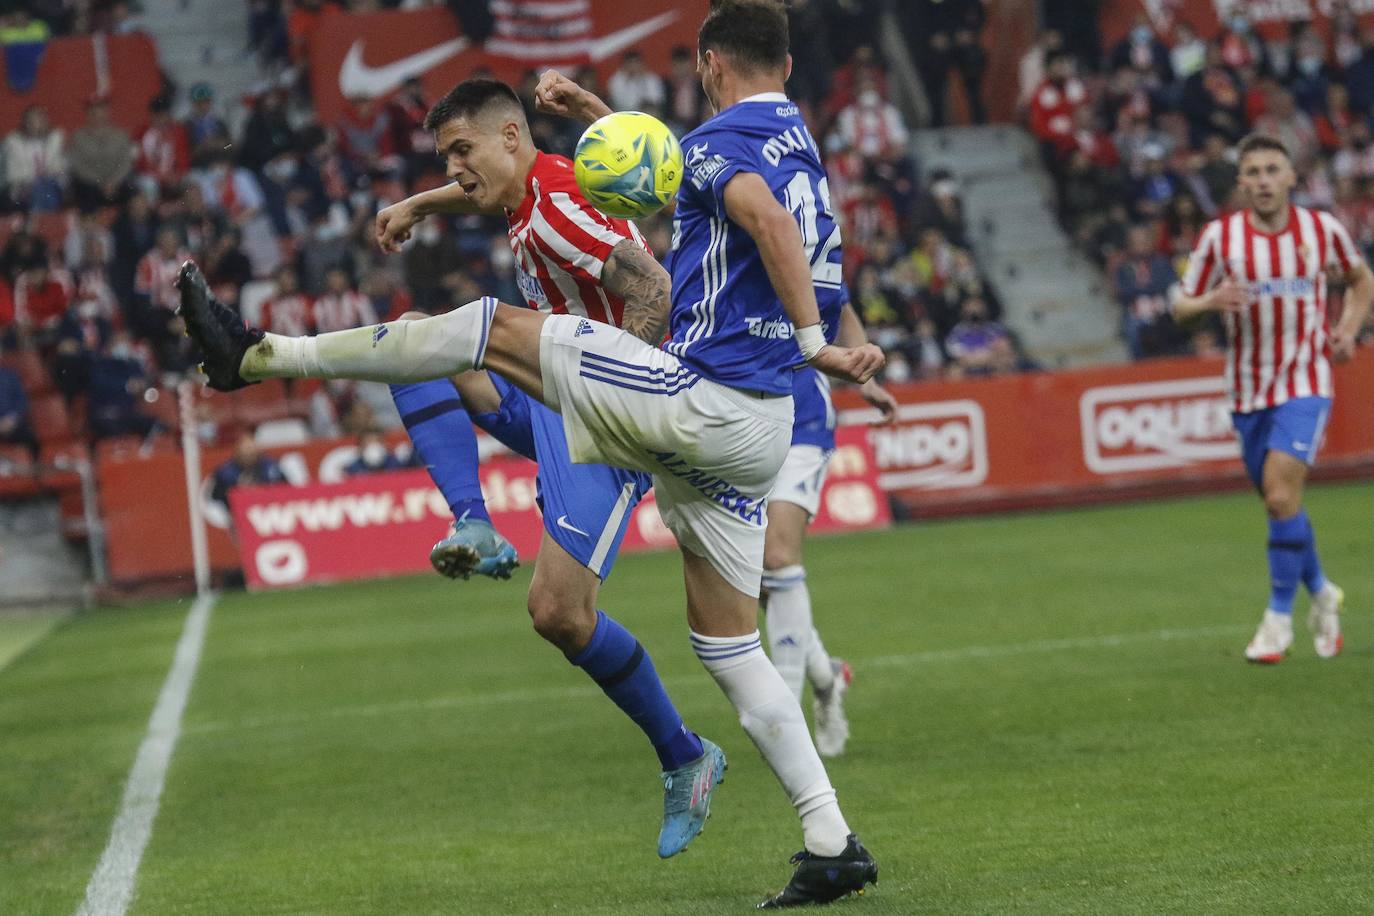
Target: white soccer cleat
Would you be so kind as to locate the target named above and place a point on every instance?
(1325, 620)
(1272, 639)
(832, 728)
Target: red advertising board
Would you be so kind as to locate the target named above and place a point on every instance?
(1090, 435)
(372, 54)
(384, 524)
(1057, 437)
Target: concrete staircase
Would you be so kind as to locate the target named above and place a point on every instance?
(204, 40)
(1054, 298)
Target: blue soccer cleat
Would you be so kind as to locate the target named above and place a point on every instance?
(472, 545)
(687, 799)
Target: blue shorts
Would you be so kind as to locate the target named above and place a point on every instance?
(1295, 427)
(586, 507)
(813, 416)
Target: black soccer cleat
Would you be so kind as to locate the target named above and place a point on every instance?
(825, 879)
(216, 328)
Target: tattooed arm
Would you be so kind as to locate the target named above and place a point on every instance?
(632, 274)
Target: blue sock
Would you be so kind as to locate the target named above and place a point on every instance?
(619, 664)
(1288, 540)
(442, 433)
(1312, 575)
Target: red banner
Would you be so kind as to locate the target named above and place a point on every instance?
(372, 54)
(1090, 435)
(74, 69)
(384, 524)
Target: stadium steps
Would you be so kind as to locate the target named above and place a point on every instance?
(205, 40)
(1056, 300)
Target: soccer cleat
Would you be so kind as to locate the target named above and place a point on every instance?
(1272, 639)
(687, 799)
(217, 329)
(832, 728)
(472, 545)
(1325, 620)
(825, 879)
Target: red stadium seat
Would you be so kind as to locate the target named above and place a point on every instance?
(28, 365)
(48, 416)
(59, 462)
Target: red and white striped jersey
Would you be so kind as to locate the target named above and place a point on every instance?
(345, 310)
(156, 275)
(1277, 346)
(561, 243)
(290, 316)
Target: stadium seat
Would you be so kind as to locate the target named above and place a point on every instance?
(48, 415)
(17, 478)
(28, 365)
(117, 447)
(58, 462)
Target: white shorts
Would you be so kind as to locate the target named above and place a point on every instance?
(714, 451)
(801, 477)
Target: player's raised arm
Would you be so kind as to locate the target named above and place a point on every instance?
(632, 274)
(751, 205)
(851, 333)
(557, 95)
(394, 223)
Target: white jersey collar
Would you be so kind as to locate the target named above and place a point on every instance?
(766, 97)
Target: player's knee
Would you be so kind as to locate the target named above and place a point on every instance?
(777, 556)
(560, 621)
(1281, 500)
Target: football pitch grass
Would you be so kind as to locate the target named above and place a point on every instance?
(1051, 714)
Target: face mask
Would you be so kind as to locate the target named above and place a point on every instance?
(280, 170)
(1240, 25)
(869, 98)
(374, 454)
(122, 351)
(1310, 65)
(88, 310)
(897, 371)
(427, 233)
(502, 258)
(1141, 34)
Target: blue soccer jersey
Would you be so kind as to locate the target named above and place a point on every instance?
(727, 322)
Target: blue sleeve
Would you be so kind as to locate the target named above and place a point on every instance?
(712, 159)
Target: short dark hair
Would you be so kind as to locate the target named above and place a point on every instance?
(752, 33)
(469, 98)
(1254, 143)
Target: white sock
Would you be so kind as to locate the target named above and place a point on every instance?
(395, 352)
(773, 719)
(788, 615)
(818, 669)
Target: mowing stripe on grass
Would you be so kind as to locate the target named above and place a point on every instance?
(112, 884)
(960, 653)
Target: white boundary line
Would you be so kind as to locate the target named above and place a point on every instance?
(112, 884)
(961, 653)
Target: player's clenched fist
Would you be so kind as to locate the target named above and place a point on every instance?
(557, 95)
(394, 225)
(853, 364)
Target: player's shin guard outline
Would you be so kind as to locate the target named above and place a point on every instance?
(773, 719)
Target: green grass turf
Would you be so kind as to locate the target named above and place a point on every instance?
(1050, 715)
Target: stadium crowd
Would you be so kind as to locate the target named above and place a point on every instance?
(1140, 139)
(279, 213)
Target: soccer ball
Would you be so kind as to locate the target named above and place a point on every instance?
(628, 164)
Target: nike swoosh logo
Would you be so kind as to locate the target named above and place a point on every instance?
(563, 523)
(357, 78)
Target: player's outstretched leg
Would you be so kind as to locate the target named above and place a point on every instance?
(439, 427)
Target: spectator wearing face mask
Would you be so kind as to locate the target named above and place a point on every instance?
(82, 335)
(118, 380)
(373, 455)
(871, 125)
(974, 344)
(248, 467)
